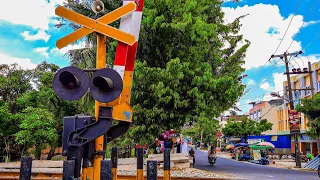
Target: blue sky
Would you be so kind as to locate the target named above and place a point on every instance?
(29, 37)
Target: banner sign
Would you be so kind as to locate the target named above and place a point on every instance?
(294, 121)
(256, 155)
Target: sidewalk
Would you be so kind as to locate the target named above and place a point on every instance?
(288, 165)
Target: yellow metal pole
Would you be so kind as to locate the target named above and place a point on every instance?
(89, 173)
(84, 173)
(101, 63)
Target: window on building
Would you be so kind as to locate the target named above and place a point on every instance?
(308, 92)
(259, 115)
(296, 95)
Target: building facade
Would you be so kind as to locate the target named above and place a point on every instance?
(300, 81)
(224, 119)
(267, 110)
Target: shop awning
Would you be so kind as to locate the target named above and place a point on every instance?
(256, 147)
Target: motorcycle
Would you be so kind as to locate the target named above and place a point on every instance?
(212, 160)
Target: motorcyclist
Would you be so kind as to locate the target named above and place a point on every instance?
(212, 153)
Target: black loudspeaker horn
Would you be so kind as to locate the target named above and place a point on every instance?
(70, 83)
(106, 85)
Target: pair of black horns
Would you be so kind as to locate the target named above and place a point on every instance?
(72, 83)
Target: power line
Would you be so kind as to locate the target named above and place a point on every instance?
(301, 60)
(267, 111)
(296, 62)
(269, 98)
(315, 2)
(311, 41)
(288, 26)
(260, 95)
(277, 47)
(260, 84)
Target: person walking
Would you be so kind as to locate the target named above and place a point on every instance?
(192, 154)
(184, 147)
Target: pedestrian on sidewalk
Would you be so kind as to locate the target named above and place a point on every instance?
(191, 154)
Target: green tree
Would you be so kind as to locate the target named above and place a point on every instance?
(37, 129)
(45, 99)
(188, 67)
(187, 74)
(311, 108)
(21, 105)
(203, 130)
(246, 127)
(14, 81)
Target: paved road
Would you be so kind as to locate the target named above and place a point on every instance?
(251, 171)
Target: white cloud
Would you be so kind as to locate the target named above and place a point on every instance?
(25, 63)
(256, 28)
(41, 35)
(42, 50)
(279, 78)
(251, 82)
(265, 86)
(69, 47)
(34, 13)
(310, 23)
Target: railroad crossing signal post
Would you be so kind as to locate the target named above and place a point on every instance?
(83, 136)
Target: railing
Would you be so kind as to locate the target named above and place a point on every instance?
(108, 169)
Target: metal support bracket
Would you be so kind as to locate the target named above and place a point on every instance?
(117, 130)
(92, 131)
(79, 140)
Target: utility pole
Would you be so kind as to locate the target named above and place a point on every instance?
(285, 55)
(311, 78)
(297, 150)
(288, 80)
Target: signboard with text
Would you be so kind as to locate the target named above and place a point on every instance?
(294, 121)
(256, 155)
(253, 141)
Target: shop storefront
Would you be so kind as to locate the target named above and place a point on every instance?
(306, 144)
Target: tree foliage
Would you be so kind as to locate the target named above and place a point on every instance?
(30, 113)
(203, 130)
(246, 127)
(188, 67)
(185, 73)
(311, 109)
(37, 129)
